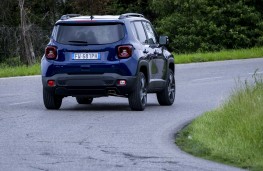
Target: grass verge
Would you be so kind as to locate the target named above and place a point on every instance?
(233, 133)
(219, 56)
(12, 71)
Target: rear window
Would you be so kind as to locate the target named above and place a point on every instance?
(90, 34)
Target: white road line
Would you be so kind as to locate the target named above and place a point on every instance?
(13, 104)
(206, 79)
(31, 76)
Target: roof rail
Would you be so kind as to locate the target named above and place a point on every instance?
(67, 16)
(126, 15)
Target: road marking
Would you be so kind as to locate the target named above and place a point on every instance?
(206, 79)
(8, 78)
(13, 104)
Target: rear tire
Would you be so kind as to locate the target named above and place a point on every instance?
(51, 101)
(84, 100)
(138, 98)
(167, 96)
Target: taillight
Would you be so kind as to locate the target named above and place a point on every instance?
(51, 52)
(124, 51)
(51, 83)
(121, 82)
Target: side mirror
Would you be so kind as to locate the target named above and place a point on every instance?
(163, 40)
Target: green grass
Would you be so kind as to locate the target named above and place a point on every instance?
(23, 70)
(233, 133)
(219, 56)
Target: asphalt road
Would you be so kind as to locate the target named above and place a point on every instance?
(107, 135)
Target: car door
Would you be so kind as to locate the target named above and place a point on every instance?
(148, 51)
(158, 60)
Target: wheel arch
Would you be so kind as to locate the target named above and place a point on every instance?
(171, 64)
(144, 68)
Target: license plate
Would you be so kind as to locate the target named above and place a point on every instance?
(86, 56)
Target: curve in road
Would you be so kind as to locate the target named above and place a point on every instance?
(107, 135)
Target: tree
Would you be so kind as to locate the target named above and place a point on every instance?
(88, 7)
(203, 25)
(192, 25)
(27, 52)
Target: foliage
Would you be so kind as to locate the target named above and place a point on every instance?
(255, 52)
(232, 133)
(19, 70)
(203, 25)
(192, 25)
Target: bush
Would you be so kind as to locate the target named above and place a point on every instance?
(203, 25)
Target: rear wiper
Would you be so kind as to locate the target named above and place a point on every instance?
(78, 41)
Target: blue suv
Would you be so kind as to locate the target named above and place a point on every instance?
(94, 56)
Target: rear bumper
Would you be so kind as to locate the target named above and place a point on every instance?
(89, 85)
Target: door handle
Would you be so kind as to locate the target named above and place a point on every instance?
(145, 51)
(157, 53)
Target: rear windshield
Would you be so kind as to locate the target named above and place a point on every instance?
(89, 34)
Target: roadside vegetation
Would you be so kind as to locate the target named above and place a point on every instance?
(13, 67)
(192, 26)
(255, 52)
(23, 70)
(231, 134)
